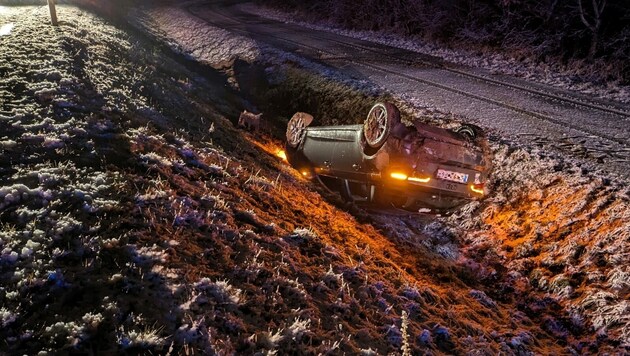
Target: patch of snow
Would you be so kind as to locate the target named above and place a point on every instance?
(7, 144)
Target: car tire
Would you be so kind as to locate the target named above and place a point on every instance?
(471, 132)
(295, 128)
(379, 122)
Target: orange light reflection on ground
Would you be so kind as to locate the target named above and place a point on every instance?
(272, 147)
(282, 155)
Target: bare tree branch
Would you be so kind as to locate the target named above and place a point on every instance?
(598, 8)
(583, 18)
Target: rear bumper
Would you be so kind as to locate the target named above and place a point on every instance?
(412, 188)
(437, 187)
(436, 178)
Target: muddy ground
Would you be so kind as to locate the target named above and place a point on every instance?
(136, 218)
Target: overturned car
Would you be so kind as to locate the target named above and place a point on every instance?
(385, 161)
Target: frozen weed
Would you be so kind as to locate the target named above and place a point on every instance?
(448, 251)
(259, 182)
(606, 310)
(329, 347)
(153, 193)
(560, 285)
(525, 249)
(331, 251)
(294, 286)
(12, 295)
(215, 169)
(147, 255)
(576, 317)
(154, 158)
(330, 277)
(619, 279)
(195, 332)
(7, 317)
(297, 329)
(149, 339)
(596, 299)
(219, 203)
(305, 233)
(184, 214)
(221, 291)
(253, 265)
(15, 194)
(611, 314)
(272, 339)
(404, 329)
(70, 331)
(92, 321)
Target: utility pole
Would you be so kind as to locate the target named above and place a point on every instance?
(53, 12)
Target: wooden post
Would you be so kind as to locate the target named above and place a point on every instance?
(53, 12)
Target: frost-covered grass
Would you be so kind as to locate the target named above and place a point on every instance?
(562, 232)
(63, 199)
(157, 227)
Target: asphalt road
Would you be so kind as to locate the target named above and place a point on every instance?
(592, 130)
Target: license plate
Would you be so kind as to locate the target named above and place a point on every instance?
(452, 176)
(448, 186)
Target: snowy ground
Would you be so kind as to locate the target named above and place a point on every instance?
(136, 219)
(556, 75)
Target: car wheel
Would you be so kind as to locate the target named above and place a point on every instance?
(471, 132)
(376, 127)
(296, 126)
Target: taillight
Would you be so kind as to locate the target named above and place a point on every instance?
(398, 175)
(403, 176)
(419, 179)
